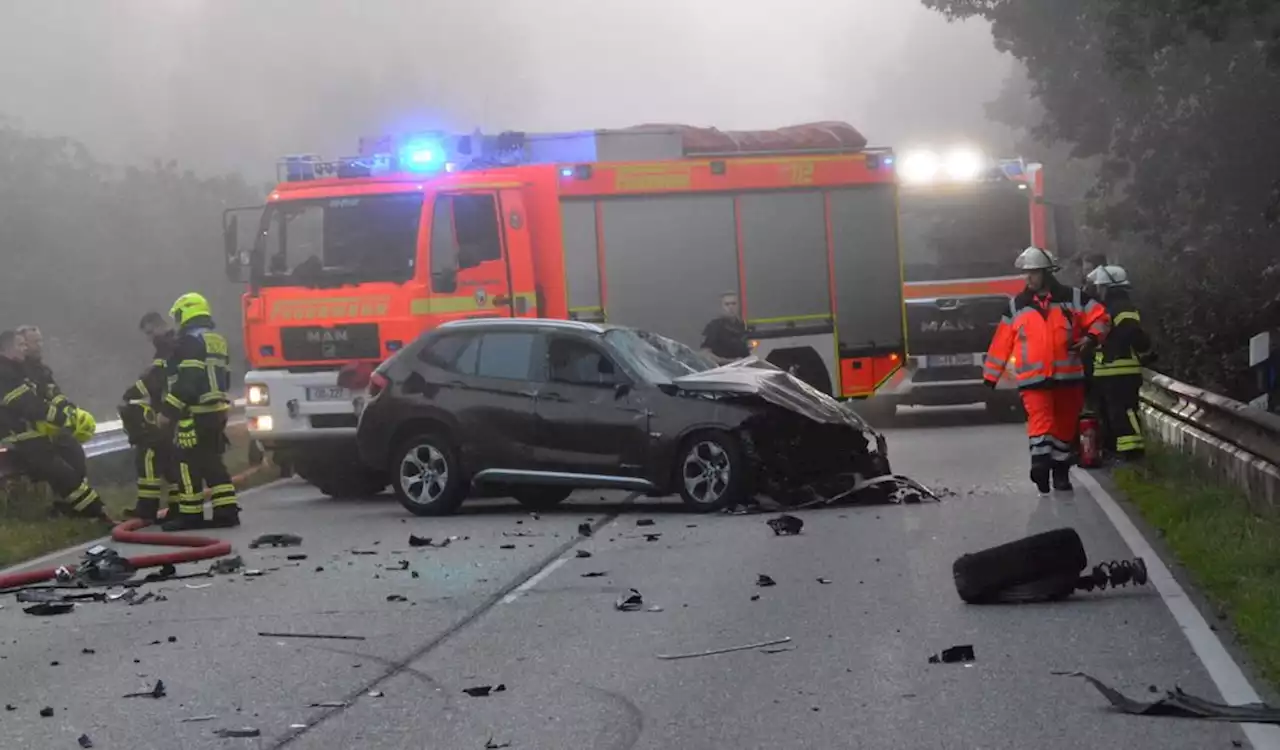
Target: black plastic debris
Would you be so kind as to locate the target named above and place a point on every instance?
(489, 744)
(419, 541)
(953, 655)
(50, 608)
(10, 707)
(327, 636)
(164, 572)
(85, 741)
(652, 537)
(506, 546)
(295, 557)
(363, 552)
(631, 602)
(824, 581)
(1182, 705)
(104, 566)
(764, 580)
(582, 553)
(785, 525)
(584, 529)
(276, 540)
(46, 712)
(483, 691)
(396, 598)
(644, 522)
(156, 692)
(226, 566)
(228, 734)
(87, 651)
(755, 597)
(401, 565)
(596, 574)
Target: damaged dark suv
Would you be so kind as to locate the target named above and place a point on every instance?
(540, 408)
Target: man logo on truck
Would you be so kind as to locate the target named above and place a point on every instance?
(933, 326)
(327, 337)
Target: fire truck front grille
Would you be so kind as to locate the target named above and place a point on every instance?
(953, 326)
(342, 342)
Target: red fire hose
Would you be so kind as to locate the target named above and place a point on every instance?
(197, 548)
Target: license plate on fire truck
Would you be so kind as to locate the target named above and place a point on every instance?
(949, 360)
(328, 393)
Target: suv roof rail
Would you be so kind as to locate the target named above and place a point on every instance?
(575, 325)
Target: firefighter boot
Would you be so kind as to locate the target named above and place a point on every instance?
(225, 517)
(1040, 475)
(184, 521)
(147, 509)
(1062, 476)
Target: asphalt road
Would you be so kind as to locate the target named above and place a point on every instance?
(579, 674)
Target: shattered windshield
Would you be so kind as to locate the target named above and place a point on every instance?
(970, 231)
(654, 364)
(351, 239)
(694, 360)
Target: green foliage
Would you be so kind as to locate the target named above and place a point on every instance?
(88, 248)
(1177, 99)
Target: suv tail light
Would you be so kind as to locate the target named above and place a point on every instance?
(377, 384)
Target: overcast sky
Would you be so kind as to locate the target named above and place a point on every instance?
(233, 84)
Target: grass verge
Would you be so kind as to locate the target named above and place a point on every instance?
(1232, 553)
(25, 532)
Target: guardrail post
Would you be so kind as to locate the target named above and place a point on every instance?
(1263, 360)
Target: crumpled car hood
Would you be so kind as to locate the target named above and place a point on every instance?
(752, 376)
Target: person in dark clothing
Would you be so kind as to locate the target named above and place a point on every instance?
(42, 376)
(153, 447)
(27, 421)
(1088, 263)
(725, 337)
(1117, 365)
(196, 405)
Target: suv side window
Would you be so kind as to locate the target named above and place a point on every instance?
(577, 362)
(450, 352)
(464, 234)
(505, 355)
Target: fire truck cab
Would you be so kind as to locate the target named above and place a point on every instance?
(353, 259)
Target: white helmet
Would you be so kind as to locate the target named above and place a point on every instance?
(1036, 259)
(1108, 276)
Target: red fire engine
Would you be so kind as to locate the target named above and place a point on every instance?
(646, 226)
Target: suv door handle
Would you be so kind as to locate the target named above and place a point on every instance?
(501, 300)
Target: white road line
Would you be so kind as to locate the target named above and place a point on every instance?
(1223, 670)
(535, 579)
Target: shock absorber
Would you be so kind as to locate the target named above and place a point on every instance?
(1114, 574)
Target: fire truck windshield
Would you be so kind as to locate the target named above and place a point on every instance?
(343, 240)
(968, 231)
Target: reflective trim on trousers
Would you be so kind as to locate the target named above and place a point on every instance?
(223, 495)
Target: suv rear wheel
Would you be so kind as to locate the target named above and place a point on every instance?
(541, 497)
(711, 471)
(427, 475)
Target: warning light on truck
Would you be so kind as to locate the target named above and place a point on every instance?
(421, 156)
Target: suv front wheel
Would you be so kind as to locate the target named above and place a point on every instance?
(711, 471)
(427, 475)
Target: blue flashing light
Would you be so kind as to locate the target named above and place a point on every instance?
(888, 161)
(422, 156)
(566, 171)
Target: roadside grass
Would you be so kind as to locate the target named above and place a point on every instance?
(1232, 553)
(26, 532)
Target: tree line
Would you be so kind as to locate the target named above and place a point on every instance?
(1172, 105)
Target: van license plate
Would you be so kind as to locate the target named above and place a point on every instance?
(328, 393)
(949, 360)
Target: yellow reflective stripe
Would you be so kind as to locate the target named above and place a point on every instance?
(790, 318)
(142, 389)
(210, 408)
(465, 303)
(158, 363)
(16, 393)
(174, 401)
(1117, 371)
(191, 364)
(20, 436)
(1127, 315)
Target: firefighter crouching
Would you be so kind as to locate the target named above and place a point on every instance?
(48, 389)
(32, 428)
(153, 446)
(1043, 339)
(1118, 363)
(196, 406)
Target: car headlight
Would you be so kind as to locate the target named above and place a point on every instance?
(263, 423)
(256, 394)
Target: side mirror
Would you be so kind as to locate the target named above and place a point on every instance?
(621, 390)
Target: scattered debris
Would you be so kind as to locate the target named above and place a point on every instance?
(785, 525)
(644, 522)
(87, 651)
(714, 651)
(330, 704)
(507, 546)
(483, 691)
(397, 598)
(276, 540)
(85, 741)
(245, 733)
(1179, 704)
(327, 636)
(198, 585)
(629, 602)
(652, 537)
(102, 566)
(156, 692)
(824, 581)
(194, 719)
(584, 529)
(253, 573)
(46, 712)
(363, 552)
(50, 608)
(149, 596)
(775, 650)
(582, 553)
(522, 532)
(596, 574)
(763, 580)
(755, 597)
(226, 566)
(953, 655)
(10, 707)
(425, 541)
(401, 565)
(489, 744)
(374, 693)
(655, 608)
(295, 557)
(167, 571)
(173, 639)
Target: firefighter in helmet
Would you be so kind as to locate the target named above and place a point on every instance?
(153, 447)
(196, 404)
(1118, 363)
(1043, 339)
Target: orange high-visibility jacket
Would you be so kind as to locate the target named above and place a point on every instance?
(1033, 339)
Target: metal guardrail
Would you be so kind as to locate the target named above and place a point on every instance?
(110, 438)
(1238, 442)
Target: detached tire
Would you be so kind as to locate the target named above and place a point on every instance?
(541, 498)
(1044, 566)
(711, 471)
(427, 475)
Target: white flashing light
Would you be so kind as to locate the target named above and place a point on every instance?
(919, 166)
(964, 164)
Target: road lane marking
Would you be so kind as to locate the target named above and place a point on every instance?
(1223, 670)
(534, 579)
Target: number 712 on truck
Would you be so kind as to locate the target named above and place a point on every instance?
(352, 259)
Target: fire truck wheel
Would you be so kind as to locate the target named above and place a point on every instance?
(427, 475)
(710, 471)
(541, 497)
(1044, 566)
